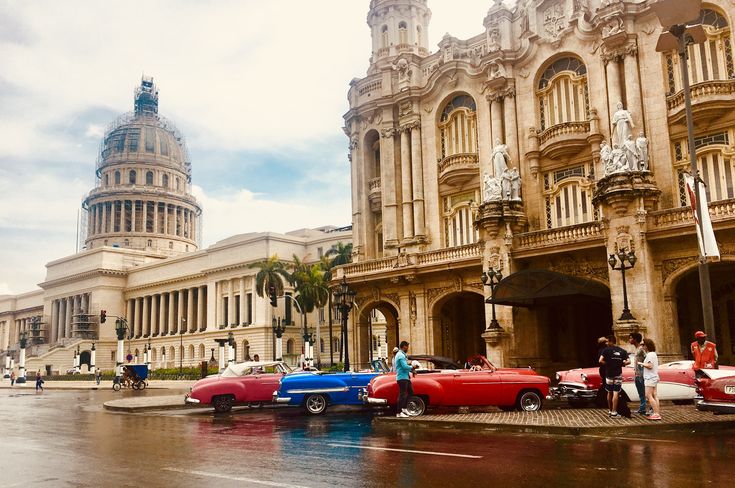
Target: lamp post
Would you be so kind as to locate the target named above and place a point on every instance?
(77, 361)
(675, 17)
(230, 348)
(182, 326)
(121, 328)
(618, 262)
(92, 359)
(491, 278)
(148, 358)
(309, 348)
(6, 374)
(278, 330)
(345, 299)
(22, 358)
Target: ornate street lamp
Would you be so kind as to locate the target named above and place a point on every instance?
(345, 298)
(491, 278)
(279, 329)
(22, 358)
(230, 348)
(618, 262)
(676, 18)
(308, 347)
(148, 358)
(121, 329)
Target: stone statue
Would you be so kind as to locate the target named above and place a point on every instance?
(631, 154)
(501, 158)
(524, 18)
(515, 185)
(618, 159)
(642, 145)
(491, 189)
(622, 123)
(505, 183)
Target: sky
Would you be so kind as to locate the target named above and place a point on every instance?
(258, 88)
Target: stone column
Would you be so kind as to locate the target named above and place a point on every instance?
(614, 94)
(417, 177)
(160, 329)
(231, 303)
(180, 312)
(133, 211)
(633, 88)
(191, 326)
(140, 310)
(511, 129)
(85, 303)
(67, 321)
(406, 190)
(171, 326)
(76, 311)
(129, 312)
(145, 329)
(155, 217)
(54, 326)
(165, 218)
(103, 221)
(123, 220)
(211, 306)
(155, 324)
(496, 118)
(201, 324)
(221, 319)
(388, 186)
(242, 300)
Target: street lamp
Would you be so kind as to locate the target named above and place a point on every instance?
(230, 348)
(345, 300)
(148, 358)
(279, 329)
(182, 326)
(618, 262)
(675, 17)
(491, 279)
(22, 358)
(121, 329)
(308, 350)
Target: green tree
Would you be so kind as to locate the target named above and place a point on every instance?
(338, 255)
(271, 273)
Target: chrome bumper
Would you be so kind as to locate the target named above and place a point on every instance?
(277, 399)
(375, 401)
(563, 392)
(717, 407)
(191, 400)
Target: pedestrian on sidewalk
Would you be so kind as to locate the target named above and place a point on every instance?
(704, 353)
(98, 376)
(650, 378)
(614, 358)
(39, 381)
(638, 358)
(12, 378)
(403, 377)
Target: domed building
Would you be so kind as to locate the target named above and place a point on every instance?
(143, 196)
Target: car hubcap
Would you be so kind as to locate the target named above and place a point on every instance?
(415, 407)
(316, 404)
(530, 403)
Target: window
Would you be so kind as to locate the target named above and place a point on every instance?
(132, 176)
(289, 346)
(289, 308)
(191, 351)
(458, 127)
(149, 178)
(321, 345)
(112, 356)
(150, 139)
(165, 181)
(117, 177)
(127, 242)
(164, 145)
(402, 33)
(715, 162)
(459, 218)
(107, 180)
(150, 243)
(562, 93)
(568, 194)
(177, 182)
(384, 36)
(170, 244)
(133, 139)
(708, 61)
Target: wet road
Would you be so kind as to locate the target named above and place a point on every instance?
(65, 438)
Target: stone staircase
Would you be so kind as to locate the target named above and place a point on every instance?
(59, 356)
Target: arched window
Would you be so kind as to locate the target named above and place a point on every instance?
(458, 127)
(149, 178)
(153, 355)
(335, 344)
(321, 345)
(150, 243)
(289, 346)
(132, 176)
(172, 353)
(708, 61)
(402, 33)
(715, 161)
(384, 36)
(165, 181)
(246, 351)
(112, 356)
(568, 195)
(107, 180)
(191, 351)
(202, 351)
(177, 182)
(459, 216)
(562, 93)
(117, 177)
(126, 242)
(170, 244)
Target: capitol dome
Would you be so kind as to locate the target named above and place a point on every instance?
(143, 195)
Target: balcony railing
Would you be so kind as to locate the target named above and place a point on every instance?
(701, 92)
(573, 234)
(563, 139)
(673, 218)
(458, 167)
(448, 254)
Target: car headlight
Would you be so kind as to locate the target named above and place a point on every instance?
(584, 377)
(558, 376)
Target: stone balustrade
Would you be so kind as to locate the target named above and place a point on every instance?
(572, 234)
(450, 254)
(369, 86)
(682, 216)
(446, 255)
(701, 91)
(558, 130)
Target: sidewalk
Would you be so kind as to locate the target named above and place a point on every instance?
(568, 421)
(92, 385)
(141, 404)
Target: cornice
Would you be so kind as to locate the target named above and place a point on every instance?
(38, 308)
(84, 275)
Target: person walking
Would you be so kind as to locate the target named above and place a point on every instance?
(403, 377)
(98, 376)
(39, 381)
(650, 378)
(12, 378)
(613, 358)
(638, 358)
(704, 352)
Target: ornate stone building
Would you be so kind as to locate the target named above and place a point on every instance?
(142, 263)
(551, 139)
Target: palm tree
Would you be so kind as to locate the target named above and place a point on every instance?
(340, 254)
(271, 273)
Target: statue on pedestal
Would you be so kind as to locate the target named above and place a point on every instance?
(631, 154)
(501, 158)
(505, 184)
(515, 185)
(622, 122)
(642, 146)
(491, 190)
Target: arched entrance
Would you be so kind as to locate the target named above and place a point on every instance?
(689, 309)
(459, 322)
(85, 358)
(377, 333)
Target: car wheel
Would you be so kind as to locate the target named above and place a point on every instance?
(577, 402)
(116, 386)
(529, 401)
(136, 386)
(315, 404)
(415, 406)
(222, 404)
(141, 385)
(682, 402)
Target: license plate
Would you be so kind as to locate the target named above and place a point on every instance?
(730, 389)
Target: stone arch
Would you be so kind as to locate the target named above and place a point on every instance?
(389, 310)
(85, 359)
(457, 322)
(191, 351)
(246, 350)
(556, 86)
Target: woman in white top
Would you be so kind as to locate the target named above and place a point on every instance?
(650, 378)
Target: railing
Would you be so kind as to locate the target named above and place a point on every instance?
(450, 254)
(673, 217)
(565, 128)
(461, 160)
(369, 266)
(369, 87)
(588, 231)
(374, 184)
(404, 48)
(383, 51)
(717, 87)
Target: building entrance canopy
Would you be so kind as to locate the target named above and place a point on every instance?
(538, 287)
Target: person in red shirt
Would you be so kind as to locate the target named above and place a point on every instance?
(704, 352)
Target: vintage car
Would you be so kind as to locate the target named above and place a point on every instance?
(238, 384)
(717, 389)
(482, 385)
(583, 385)
(315, 390)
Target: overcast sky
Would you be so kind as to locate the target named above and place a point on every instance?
(257, 87)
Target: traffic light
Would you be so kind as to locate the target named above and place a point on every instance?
(272, 295)
(103, 316)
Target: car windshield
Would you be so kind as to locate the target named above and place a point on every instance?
(251, 367)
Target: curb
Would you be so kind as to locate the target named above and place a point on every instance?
(119, 408)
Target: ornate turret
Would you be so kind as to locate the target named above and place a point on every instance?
(399, 26)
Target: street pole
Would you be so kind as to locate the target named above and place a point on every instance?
(92, 359)
(22, 360)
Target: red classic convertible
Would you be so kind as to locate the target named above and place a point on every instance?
(717, 388)
(243, 383)
(482, 385)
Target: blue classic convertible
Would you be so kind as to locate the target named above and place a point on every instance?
(315, 390)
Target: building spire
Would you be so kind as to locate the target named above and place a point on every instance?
(146, 97)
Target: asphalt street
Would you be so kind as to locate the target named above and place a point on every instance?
(65, 438)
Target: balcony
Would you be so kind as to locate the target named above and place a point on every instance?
(671, 222)
(710, 99)
(375, 194)
(565, 139)
(459, 168)
(564, 239)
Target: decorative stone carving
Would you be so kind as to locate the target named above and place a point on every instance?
(405, 108)
(612, 26)
(505, 184)
(515, 185)
(393, 298)
(627, 154)
(624, 241)
(501, 158)
(403, 69)
(622, 123)
(433, 293)
(493, 36)
(581, 269)
(555, 21)
(412, 307)
(495, 70)
(388, 132)
(491, 190)
(642, 146)
(353, 143)
(670, 266)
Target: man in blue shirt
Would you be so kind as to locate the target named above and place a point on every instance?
(403, 376)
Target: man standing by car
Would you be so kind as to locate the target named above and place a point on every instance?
(614, 358)
(403, 377)
(638, 357)
(704, 352)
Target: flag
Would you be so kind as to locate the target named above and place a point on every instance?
(705, 233)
